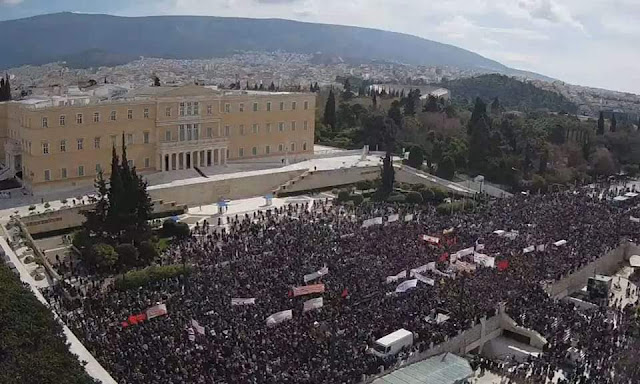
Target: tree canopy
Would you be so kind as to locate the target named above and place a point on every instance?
(32, 345)
(120, 215)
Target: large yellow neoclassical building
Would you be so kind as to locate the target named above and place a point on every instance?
(65, 142)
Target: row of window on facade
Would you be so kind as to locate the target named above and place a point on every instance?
(268, 107)
(267, 149)
(191, 131)
(113, 116)
(97, 142)
(185, 109)
(80, 171)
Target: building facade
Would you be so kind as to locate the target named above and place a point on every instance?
(164, 129)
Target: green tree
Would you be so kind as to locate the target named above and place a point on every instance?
(600, 130)
(123, 208)
(544, 159)
(479, 112)
(330, 117)
(375, 101)
(395, 113)
(446, 168)
(388, 176)
(128, 255)
(604, 164)
(414, 197)
(496, 108)
(33, 346)
(104, 256)
(416, 157)
(432, 104)
(347, 94)
(614, 122)
(479, 142)
(156, 81)
(147, 252)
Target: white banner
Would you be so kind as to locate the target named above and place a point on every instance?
(464, 266)
(396, 277)
(406, 285)
(431, 266)
(393, 218)
(479, 247)
(530, 248)
(482, 259)
(634, 219)
(560, 243)
(408, 217)
(197, 327)
(370, 222)
(156, 310)
(430, 239)
(540, 248)
(465, 252)
(313, 304)
(279, 317)
(420, 269)
(240, 301)
(312, 276)
(424, 279)
(447, 231)
(441, 318)
(511, 235)
(499, 232)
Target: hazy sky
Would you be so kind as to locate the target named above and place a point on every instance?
(587, 42)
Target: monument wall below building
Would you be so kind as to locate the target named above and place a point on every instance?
(605, 265)
(207, 191)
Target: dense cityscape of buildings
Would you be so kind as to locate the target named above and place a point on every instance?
(285, 71)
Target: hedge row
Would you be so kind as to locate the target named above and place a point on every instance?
(141, 277)
(32, 345)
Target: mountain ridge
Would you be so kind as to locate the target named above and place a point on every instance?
(52, 37)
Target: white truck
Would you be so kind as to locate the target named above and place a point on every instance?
(392, 343)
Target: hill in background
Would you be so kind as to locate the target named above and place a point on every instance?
(111, 39)
(512, 93)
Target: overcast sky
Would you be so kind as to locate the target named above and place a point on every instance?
(586, 42)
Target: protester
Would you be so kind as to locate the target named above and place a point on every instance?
(265, 255)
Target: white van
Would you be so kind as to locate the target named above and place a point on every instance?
(392, 343)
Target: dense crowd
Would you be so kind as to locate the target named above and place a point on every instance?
(265, 254)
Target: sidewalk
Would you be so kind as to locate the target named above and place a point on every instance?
(93, 368)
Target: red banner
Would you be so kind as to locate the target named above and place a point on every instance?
(308, 289)
(444, 257)
(502, 265)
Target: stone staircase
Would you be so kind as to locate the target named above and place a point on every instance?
(282, 189)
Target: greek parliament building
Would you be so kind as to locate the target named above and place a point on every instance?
(62, 142)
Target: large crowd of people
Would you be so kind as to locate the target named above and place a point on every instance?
(264, 255)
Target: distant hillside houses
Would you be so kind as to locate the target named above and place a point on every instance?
(425, 90)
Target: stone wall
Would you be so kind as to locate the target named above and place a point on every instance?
(605, 265)
(235, 186)
(330, 178)
(72, 217)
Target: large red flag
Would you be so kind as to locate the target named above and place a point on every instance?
(444, 257)
(502, 265)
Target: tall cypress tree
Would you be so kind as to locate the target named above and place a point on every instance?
(330, 118)
(600, 130)
(614, 122)
(388, 176)
(7, 86)
(375, 101)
